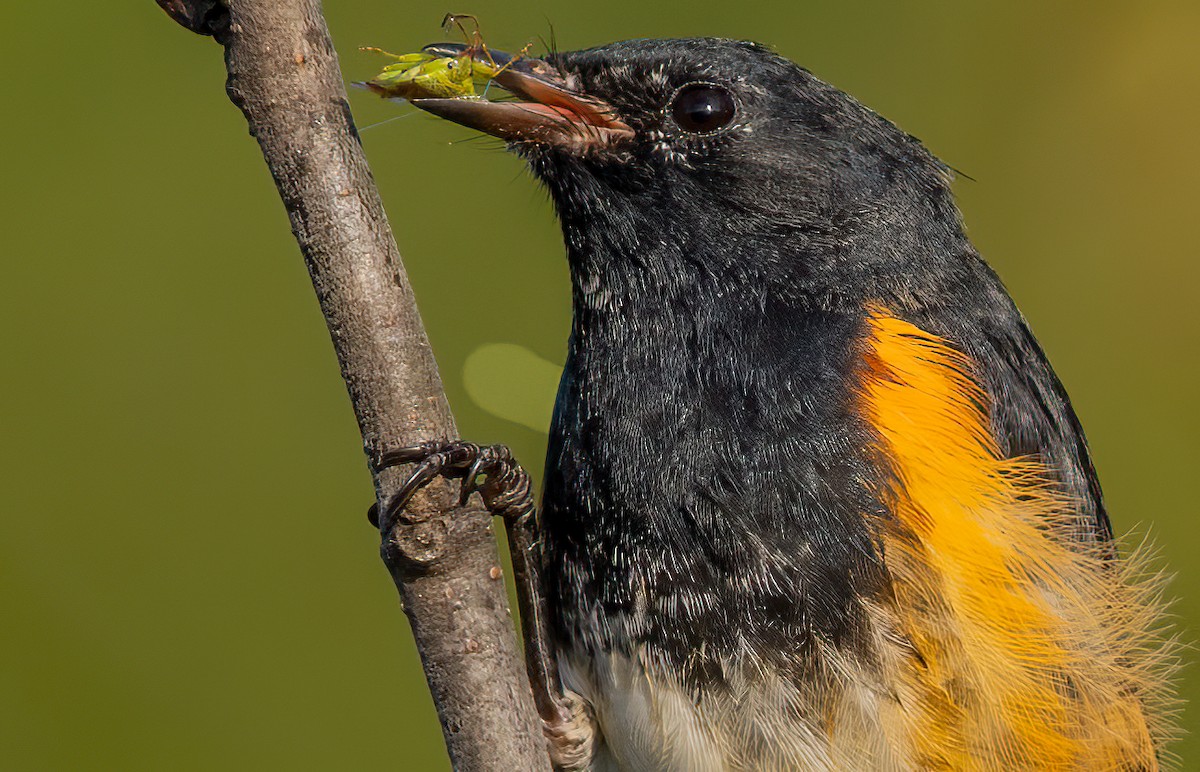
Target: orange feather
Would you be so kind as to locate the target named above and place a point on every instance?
(1017, 645)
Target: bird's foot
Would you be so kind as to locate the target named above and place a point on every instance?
(573, 740)
(506, 489)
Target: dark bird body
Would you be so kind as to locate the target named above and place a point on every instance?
(814, 498)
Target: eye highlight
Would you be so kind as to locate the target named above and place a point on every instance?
(702, 108)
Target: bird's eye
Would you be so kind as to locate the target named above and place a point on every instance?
(702, 108)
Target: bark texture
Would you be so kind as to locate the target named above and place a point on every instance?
(284, 76)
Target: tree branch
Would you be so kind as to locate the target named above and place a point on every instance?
(283, 74)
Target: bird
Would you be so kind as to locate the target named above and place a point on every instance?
(814, 497)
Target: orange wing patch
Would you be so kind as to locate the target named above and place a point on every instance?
(1014, 645)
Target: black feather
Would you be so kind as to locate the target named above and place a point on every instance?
(709, 479)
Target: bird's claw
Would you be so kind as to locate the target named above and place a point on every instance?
(506, 490)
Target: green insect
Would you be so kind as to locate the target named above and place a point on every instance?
(424, 75)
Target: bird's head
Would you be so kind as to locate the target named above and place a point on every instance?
(695, 159)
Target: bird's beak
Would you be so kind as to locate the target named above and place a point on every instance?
(549, 113)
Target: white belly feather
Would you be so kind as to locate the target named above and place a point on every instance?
(647, 721)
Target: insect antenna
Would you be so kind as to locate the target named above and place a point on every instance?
(361, 129)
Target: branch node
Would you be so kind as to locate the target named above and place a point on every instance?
(415, 548)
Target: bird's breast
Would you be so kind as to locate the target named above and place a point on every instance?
(865, 582)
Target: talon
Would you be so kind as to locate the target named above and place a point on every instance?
(470, 485)
(464, 493)
(430, 468)
(408, 455)
(425, 471)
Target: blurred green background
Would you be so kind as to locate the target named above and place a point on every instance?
(187, 577)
